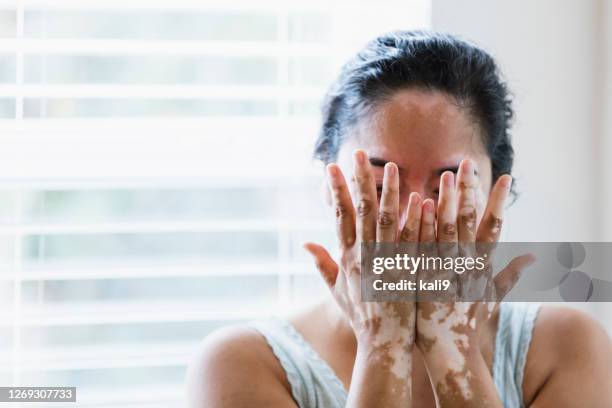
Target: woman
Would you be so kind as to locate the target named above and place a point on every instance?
(416, 140)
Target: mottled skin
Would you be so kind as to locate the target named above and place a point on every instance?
(384, 331)
(448, 332)
(569, 363)
(444, 329)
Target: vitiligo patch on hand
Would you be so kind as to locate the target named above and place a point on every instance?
(442, 329)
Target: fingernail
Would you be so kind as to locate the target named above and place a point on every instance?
(414, 198)
(359, 157)
(506, 181)
(428, 205)
(449, 178)
(390, 169)
(332, 171)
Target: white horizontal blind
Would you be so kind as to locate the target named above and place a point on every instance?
(156, 180)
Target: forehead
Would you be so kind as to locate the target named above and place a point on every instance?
(417, 124)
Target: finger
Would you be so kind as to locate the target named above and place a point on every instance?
(367, 205)
(447, 216)
(447, 209)
(327, 267)
(410, 232)
(467, 182)
(427, 235)
(490, 226)
(505, 280)
(345, 212)
(428, 220)
(427, 241)
(386, 228)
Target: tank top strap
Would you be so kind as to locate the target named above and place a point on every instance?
(313, 382)
(514, 331)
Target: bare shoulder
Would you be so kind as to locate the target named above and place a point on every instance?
(569, 350)
(234, 367)
(569, 333)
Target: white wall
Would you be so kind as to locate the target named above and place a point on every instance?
(607, 120)
(547, 51)
(554, 56)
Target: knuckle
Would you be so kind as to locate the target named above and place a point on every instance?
(467, 184)
(338, 197)
(385, 219)
(349, 240)
(495, 224)
(364, 207)
(449, 228)
(364, 179)
(390, 189)
(467, 216)
(341, 210)
(408, 234)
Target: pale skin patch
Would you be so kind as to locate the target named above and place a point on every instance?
(453, 390)
(448, 328)
(388, 336)
(443, 333)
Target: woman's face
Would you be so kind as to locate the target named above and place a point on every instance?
(424, 133)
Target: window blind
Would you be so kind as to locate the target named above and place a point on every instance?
(156, 179)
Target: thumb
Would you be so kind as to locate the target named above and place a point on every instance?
(507, 278)
(327, 267)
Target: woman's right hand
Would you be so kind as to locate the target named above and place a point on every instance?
(385, 331)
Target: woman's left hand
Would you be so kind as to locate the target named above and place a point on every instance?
(448, 331)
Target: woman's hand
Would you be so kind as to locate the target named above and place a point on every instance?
(448, 331)
(385, 331)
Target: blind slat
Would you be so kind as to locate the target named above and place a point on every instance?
(109, 277)
(167, 48)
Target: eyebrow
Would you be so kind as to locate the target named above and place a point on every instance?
(453, 169)
(378, 162)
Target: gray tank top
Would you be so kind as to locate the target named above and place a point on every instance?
(315, 385)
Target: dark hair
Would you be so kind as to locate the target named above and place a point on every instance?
(422, 60)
